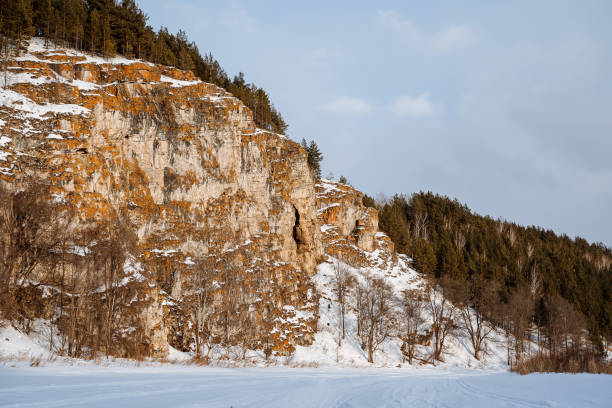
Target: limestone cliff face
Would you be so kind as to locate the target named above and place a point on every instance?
(183, 162)
(211, 200)
(349, 229)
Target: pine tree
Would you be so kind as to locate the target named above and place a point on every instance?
(449, 262)
(314, 157)
(424, 257)
(95, 31)
(43, 16)
(369, 201)
(24, 19)
(77, 20)
(108, 44)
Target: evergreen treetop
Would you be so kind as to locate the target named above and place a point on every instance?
(315, 157)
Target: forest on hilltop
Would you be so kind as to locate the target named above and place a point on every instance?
(110, 27)
(448, 241)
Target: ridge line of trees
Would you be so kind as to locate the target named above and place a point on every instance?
(529, 269)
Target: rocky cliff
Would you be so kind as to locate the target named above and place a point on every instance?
(204, 192)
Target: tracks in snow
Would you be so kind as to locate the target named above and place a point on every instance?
(178, 386)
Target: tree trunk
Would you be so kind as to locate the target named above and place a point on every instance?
(343, 321)
(371, 344)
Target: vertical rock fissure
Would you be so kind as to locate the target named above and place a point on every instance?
(355, 232)
(297, 232)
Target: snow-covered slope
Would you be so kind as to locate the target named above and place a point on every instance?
(16, 345)
(326, 352)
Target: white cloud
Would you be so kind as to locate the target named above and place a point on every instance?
(348, 104)
(445, 39)
(237, 17)
(452, 37)
(321, 58)
(412, 106)
(323, 53)
(392, 20)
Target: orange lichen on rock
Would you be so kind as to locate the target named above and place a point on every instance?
(349, 229)
(182, 162)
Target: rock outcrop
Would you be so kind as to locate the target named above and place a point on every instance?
(349, 229)
(182, 165)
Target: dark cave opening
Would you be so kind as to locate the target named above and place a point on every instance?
(296, 228)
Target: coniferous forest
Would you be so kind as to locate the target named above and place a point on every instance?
(111, 27)
(449, 242)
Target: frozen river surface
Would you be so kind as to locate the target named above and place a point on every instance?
(176, 386)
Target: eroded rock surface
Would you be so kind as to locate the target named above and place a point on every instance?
(349, 229)
(203, 189)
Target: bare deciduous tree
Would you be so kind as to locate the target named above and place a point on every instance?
(247, 334)
(377, 314)
(201, 307)
(519, 313)
(31, 228)
(5, 55)
(564, 327)
(442, 314)
(459, 239)
(230, 302)
(358, 300)
(419, 227)
(412, 319)
(473, 301)
(112, 252)
(342, 281)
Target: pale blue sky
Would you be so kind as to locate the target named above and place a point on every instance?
(506, 106)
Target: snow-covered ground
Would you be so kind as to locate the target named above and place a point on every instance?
(177, 386)
(325, 351)
(64, 382)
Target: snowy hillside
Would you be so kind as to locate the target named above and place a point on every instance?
(325, 350)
